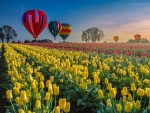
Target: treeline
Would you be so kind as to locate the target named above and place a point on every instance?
(142, 40)
(33, 41)
(39, 41)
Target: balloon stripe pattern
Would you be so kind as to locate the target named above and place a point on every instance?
(65, 31)
(34, 21)
(54, 27)
(42, 24)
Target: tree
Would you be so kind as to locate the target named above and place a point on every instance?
(2, 36)
(94, 34)
(99, 35)
(131, 41)
(85, 36)
(9, 32)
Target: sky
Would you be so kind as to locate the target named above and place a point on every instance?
(123, 18)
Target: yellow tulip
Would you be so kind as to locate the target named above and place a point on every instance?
(106, 80)
(124, 99)
(56, 90)
(62, 103)
(119, 107)
(38, 104)
(95, 81)
(109, 103)
(33, 84)
(133, 88)
(109, 86)
(29, 112)
(9, 94)
(16, 90)
(67, 108)
(38, 96)
(147, 92)
(47, 96)
(84, 87)
(30, 78)
(129, 97)
(35, 70)
(50, 90)
(149, 63)
(113, 92)
(100, 94)
(61, 80)
(70, 76)
(124, 91)
(81, 80)
(17, 84)
(57, 109)
(52, 78)
(32, 63)
(18, 101)
(133, 103)
(124, 73)
(35, 90)
(48, 83)
(137, 105)
(38, 68)
(140, 92)
(37, 75)
(21, 111)
(23, 96)
(128, 107)
(13, 79)
(29, 70)
(88, 82)
(41, 78)
(42, 85)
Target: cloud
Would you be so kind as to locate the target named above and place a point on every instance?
(138, 27)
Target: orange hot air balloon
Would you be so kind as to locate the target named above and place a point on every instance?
(116, 38)
(137, 37)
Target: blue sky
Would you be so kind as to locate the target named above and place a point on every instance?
(123, 18)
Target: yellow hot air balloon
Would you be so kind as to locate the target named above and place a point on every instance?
(116, 38)
(137, 37)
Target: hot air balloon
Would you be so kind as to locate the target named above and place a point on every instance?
(65, 30)
(54, 27)
(116, 38)
(34, 21)
(137, 37)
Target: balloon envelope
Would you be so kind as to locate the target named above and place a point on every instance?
(34, 21)
(54, 27)
(65, 30)
(137, 37)
(116, 38)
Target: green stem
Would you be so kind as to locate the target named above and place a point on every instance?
(133, 94)
(102, 103)
(55, 100)
(47, 104)
(12, 106)
(51, 102)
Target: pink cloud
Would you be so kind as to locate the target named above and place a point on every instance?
(141, 27)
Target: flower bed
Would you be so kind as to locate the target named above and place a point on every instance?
(49, 80)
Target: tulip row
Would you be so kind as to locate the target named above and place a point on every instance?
(112, 81)
(27, 93)
(138, 50)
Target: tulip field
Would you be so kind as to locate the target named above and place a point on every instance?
(76, 78)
